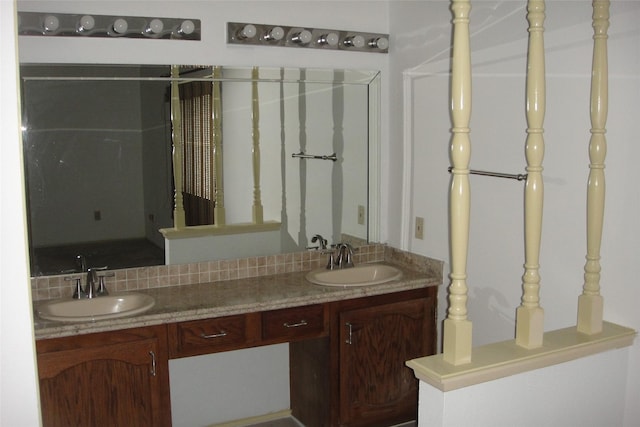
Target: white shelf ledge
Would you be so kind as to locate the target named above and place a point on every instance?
(498, 360)
(218, 230)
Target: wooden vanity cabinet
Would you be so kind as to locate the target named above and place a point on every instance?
(361, 367)
(347, 362)
(105, 379)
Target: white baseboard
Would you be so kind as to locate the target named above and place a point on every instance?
(255, 420)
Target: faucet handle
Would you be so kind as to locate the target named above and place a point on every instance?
(331, 263)
(78, 293)
(102, 289)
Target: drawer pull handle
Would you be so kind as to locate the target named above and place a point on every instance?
(218, 335)
(295, 325)
(153, 363)
(349, 339)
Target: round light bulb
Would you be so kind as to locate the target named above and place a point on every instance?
(381, 43)
(248, 32)
(187, 27)
(330, 39)
(87, 23)
(51, 23)
(303, 37)
(276, 33)
(355, 41)
(120, 26)
(156, 26)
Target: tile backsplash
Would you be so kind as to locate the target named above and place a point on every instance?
(130, 279)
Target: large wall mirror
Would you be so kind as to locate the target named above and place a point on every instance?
(144, 165)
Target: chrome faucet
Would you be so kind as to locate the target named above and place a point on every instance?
(90, 288)
(321, 241)
(345, 256)
(324, 249)
(92, 278)
(81, 260)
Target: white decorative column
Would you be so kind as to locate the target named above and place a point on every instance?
(218, 182)
(257, 201)
(176, 135)
(457, 328)
(590, 303)
(529, 315)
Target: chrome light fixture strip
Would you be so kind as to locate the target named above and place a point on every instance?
(300, 37)
(87, 25)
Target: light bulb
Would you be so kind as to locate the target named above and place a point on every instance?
(276, 33)
(51, 23)
(187, 27)
(330, 39)
(302, 37)
(86, 23)
(247, 32)
(354, 41)
(155, 26)
(381, 43)
(120, 26)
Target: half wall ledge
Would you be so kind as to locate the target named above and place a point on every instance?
(502, 359)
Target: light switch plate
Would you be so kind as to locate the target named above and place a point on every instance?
(419, 228)
(361, 214)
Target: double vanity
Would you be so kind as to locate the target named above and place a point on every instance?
(349, 338)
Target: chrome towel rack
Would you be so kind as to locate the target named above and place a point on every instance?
(302, 155)
(519, 177)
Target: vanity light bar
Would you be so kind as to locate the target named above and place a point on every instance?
(69, 25)
(315, 38)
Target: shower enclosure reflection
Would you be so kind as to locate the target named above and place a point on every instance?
(103, 175)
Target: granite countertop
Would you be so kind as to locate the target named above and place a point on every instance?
(209, 300)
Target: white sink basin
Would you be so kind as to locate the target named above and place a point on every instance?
(360, 275)
(98, 308)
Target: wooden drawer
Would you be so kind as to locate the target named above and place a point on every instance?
(293, 323)
(213, 335)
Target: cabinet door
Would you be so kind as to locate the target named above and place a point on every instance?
(109, 385)
(376, 388)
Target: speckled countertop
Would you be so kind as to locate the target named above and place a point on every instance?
(208, 300)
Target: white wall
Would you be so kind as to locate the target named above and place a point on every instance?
(574, 394)
(421, 35)
(231, 246)
(368, 16)
(19, 404)
(499, 41)
(240, 379)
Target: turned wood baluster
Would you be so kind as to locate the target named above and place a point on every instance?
(257, 202)
(218, 181)
(176, 135)
(457, 329)
(530, 316)
(590, 303)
